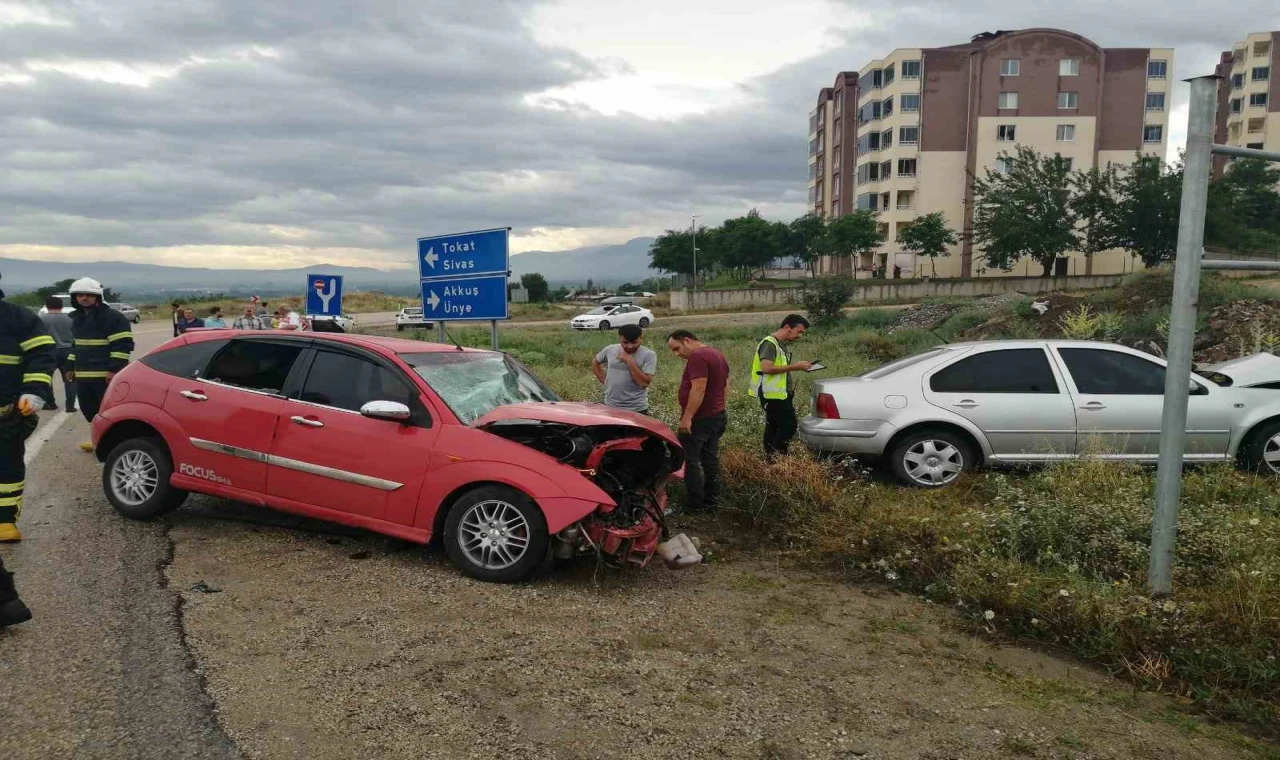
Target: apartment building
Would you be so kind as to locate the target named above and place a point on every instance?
(1248, 96)
(903, 135)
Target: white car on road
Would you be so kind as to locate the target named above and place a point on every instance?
(344, 321)
(605, 317)
(67, 303)
(412, 317)
(130, 312)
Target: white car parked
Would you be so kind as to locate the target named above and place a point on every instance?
(67, 303)
(411, 316)
(345, 321)
(605, 317)
(130, 313)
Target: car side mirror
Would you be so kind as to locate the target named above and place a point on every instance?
(386, 410)
(1198, 390)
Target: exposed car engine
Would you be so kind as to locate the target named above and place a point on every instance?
(631, 465)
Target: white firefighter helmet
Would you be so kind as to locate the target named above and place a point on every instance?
(86, 285)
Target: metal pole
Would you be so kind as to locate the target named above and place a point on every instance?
(493, 334)
(1182, 328)
(440, 332)
(693, 227)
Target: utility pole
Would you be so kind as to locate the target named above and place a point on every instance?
(693, 227)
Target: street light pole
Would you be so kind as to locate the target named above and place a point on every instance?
(693, 227)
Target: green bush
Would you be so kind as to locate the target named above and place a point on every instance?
(873, 318)
(825, 299)
(877, 347)
(962, 320)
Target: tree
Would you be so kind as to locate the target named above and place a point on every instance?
(62, 286)
(1244, 208)
(804, 239)
(1145, 218)
(749, 242)
(1094, 203)
(537, 286)
(1025, 211)
(929, 236)
(672, 251)
(852, 235)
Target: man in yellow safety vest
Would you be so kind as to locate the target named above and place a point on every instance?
(771, 382)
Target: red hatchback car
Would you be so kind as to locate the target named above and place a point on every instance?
(400, 437)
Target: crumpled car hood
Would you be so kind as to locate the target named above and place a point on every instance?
(580, 414)
(1250, 370)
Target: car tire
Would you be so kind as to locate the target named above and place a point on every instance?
(604, 324)
(644, 321)
(1261, 451)
(493, 507)
(931, 458)
(399, 328)
(135, 478)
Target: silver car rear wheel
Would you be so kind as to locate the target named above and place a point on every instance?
(931, 458)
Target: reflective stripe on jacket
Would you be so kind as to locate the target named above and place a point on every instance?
(774, 385)
(103, 342)
(28, 355)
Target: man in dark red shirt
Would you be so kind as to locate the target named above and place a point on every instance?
(702, 417)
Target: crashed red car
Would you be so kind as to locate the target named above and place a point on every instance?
(401, 437)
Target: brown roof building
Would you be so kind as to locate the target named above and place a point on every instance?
(903, 135)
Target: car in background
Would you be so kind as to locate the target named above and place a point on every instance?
(67, 303)
(346, 322)
(412, 317)
(617, 300)
(606, 317)
(410, 439)
(130, 313)
(947, 410)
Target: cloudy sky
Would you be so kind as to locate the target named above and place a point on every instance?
(277, 134)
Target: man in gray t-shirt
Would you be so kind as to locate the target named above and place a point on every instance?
(58, 323)
(626, 368)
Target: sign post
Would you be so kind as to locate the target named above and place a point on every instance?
(464, 278)
(324, 295)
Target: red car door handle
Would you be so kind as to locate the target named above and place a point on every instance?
(195, 395)
(297, 420)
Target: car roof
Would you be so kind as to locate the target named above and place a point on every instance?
(1035, 343)
(392, 345)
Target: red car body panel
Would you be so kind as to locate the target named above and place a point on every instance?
(245, 446)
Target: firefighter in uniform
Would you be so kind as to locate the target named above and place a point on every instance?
(103, 342)
(27, 360)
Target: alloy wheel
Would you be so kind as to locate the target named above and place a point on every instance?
(1271, 453)
(933, 462)
(135, 477)
(493, 534)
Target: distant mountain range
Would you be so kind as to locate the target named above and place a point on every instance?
(605, 264)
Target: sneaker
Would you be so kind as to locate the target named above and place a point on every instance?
(13, 612)
(9, 532)
(71, 410)
(51, 407)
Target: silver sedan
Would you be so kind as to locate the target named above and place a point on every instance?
(941, 412)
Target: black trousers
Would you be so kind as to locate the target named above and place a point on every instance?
(702, 462)
(68, 387)
(7, 592)
(15, 429)
(91, 393)
(779, 423)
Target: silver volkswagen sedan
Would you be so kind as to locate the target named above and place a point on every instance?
(953, 408)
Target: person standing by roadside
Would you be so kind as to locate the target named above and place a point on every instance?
(263, 310)
(703, 388)
(177, 315)
(625, 369)
(189, 320)
(215, 318)
(289, 319)
(27, 358)
(103, 343)
(248, 320)
(771, 382)
(58, 323)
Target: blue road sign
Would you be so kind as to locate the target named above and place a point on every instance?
(463, 254)
(465, 298)
(324, 294)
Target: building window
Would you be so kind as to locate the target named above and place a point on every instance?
(835, 186)
(835, 129)
(886, 139)
(1066, 133)
(822, 165)
(1005, 132)
(1235, 105)
(1010, 67)
(1002, 165)
(910, 102)
(1008, 100)
(876, 79)
(906, 200)
(1068, 100)
(1234, 130)
(1157, 69)
(1237, 55)
(1257, 125)
(1068, 163)
(1155, 101)
(867, 202)
(813, 172)
(884, 204)
(910, 69)
(1261, 73)
(864, 174)
(835, 159)
(1237, 81)
(887, 77)
(813, 195)
(1261, 49)
(1069, 67)
(1258, 100)
(906, 167)
(813, 147)
(886, 170)
(908, 135)
(819, 197)
(1254, 146)
(886, 108)
(1153, 133)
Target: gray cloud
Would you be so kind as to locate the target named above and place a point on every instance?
(328, 126)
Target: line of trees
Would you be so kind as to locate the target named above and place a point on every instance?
(1038, 208)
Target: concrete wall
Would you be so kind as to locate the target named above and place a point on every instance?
(683, 300)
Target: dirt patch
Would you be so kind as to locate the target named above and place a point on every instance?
(312, 653)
